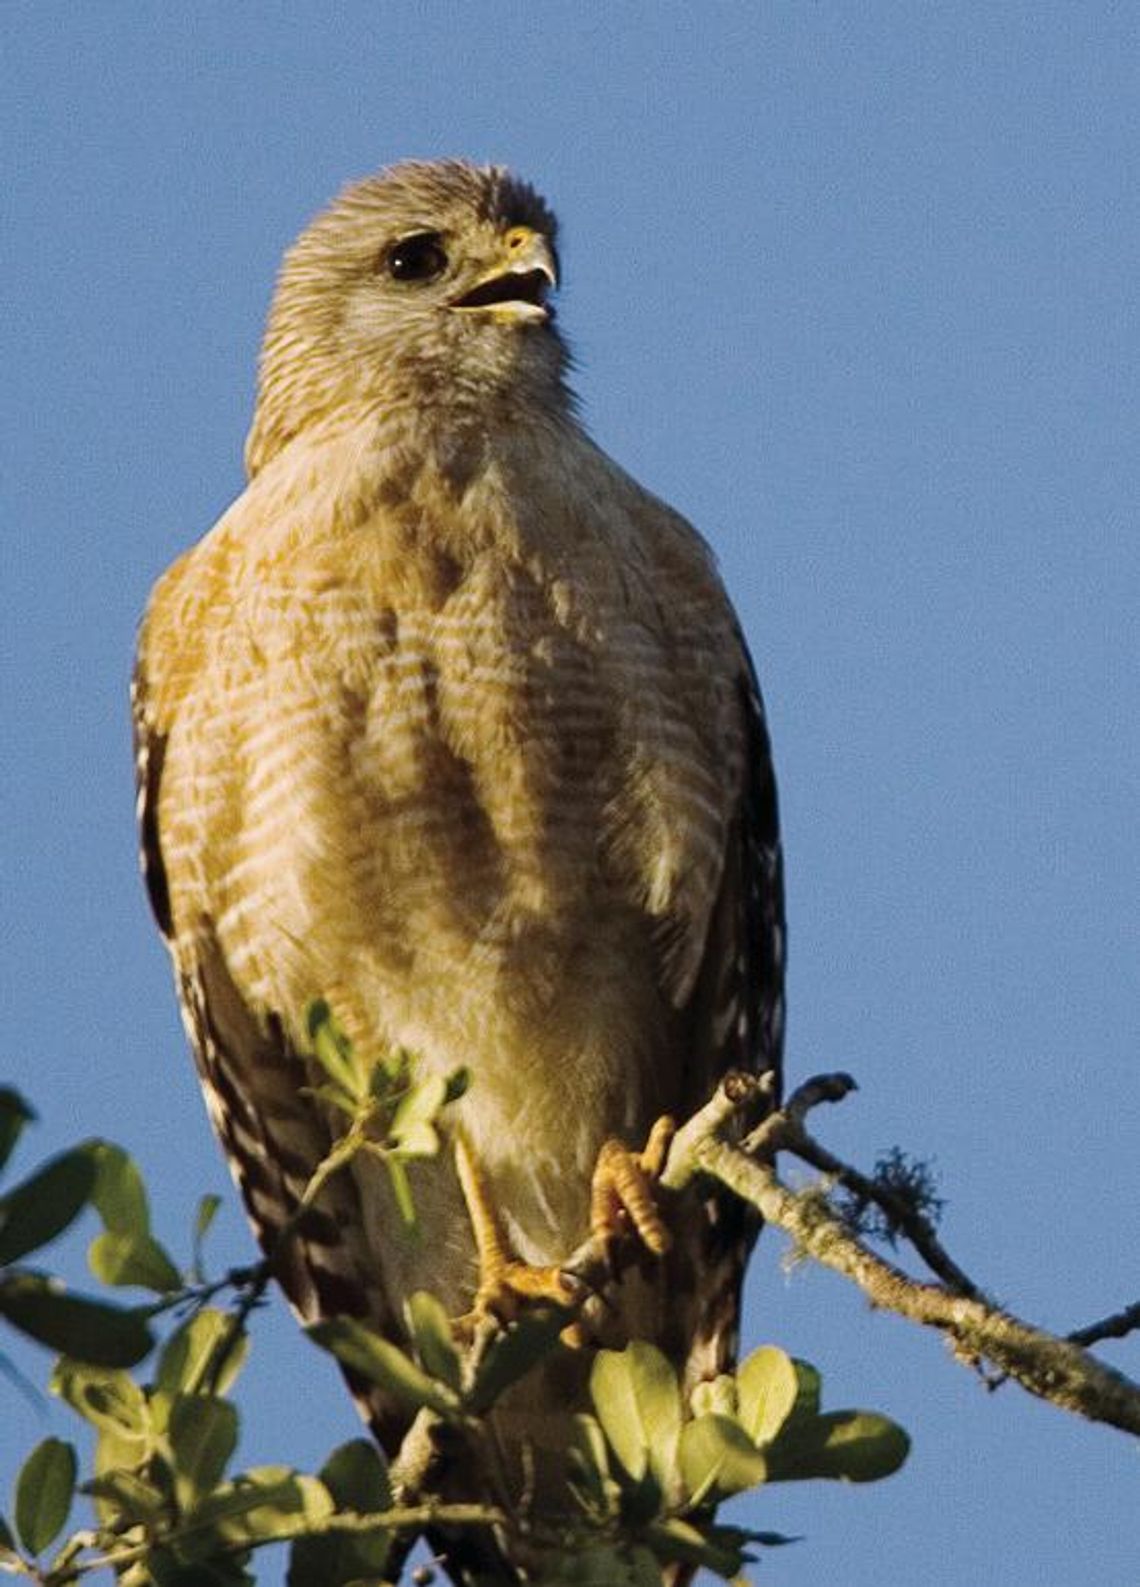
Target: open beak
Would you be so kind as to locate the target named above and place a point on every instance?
(520, 287)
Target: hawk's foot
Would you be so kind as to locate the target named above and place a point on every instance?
(622, 1193)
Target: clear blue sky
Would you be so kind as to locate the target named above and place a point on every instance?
(855, 287)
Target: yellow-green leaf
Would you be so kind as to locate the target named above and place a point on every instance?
(202, 1433)
(430, 1328)
(127, 1496)
(719, 1395)
(845, 1446)
(420, 1105)
(590, 1467)
(120, 1194)
(333, 1050)
(638, 1402)
(110, 1401)
(357, 1480)
(187, 1363)
(766, 1388)
(133, 1261)
(383, 1362)
(511, 1354)
(417, 1139)
(265, 1504)
(718, 1459)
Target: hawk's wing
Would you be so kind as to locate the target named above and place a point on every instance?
(257, 1091)
(738, 1019)
(738, 1002)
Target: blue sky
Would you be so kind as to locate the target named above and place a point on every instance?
(854, 287)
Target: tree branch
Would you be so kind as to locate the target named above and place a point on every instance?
(1049, 1366)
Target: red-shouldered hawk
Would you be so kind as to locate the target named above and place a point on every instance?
(449, 722)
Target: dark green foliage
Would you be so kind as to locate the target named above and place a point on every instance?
(44, 1491)
(33, 1214)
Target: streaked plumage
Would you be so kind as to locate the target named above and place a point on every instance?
(449, 722)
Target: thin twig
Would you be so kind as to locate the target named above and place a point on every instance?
(1114, 1327)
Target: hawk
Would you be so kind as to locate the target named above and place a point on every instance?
(451, 723)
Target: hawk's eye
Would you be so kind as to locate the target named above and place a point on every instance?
(418, 258)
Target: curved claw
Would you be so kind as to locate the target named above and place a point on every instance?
(622, 1192)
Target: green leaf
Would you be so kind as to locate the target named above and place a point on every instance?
(333, 1050)
(718, 1459)
(638, 1401)
(419, 1106)
(162, 1568)
(766, 1387)
(513, 1352)
(187, 1363)
(85, 1329)
(203, 1222)
(137, 1261)
(120, 1195)
(110, 1401)
(202, 1433)
(809, 1391)
(391, 1072)
(719, 1395)
(601, 1565)
(7, 1541)
(589, 1465)
(416, 1140)
(401, 1190)
(382, 1362)
(675, 1539)
(356, 1478)
(265, 1504)
(14, 1114)
(44, 1491)
(40, 1208)
(130, 1497)
(846, 1446)
(430, 1328)
(204, 1217)
(765, 1539)
(458, 1084)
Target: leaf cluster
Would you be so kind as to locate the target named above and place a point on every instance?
(392, 1117)
(647, 1471)
(38, 1209)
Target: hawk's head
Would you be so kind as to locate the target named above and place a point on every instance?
(427, 285)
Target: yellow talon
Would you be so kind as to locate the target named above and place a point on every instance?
(622, 1189)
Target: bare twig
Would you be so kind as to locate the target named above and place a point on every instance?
(1114, 1327)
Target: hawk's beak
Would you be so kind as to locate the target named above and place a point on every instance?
(517, 289)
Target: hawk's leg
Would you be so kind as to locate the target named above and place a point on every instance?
(504, 1280)
(622, 1199)
(622, 1190)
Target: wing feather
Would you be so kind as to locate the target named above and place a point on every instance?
(738, 1020)
(258, 1095)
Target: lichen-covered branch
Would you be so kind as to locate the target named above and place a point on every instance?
(1053, 1368)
